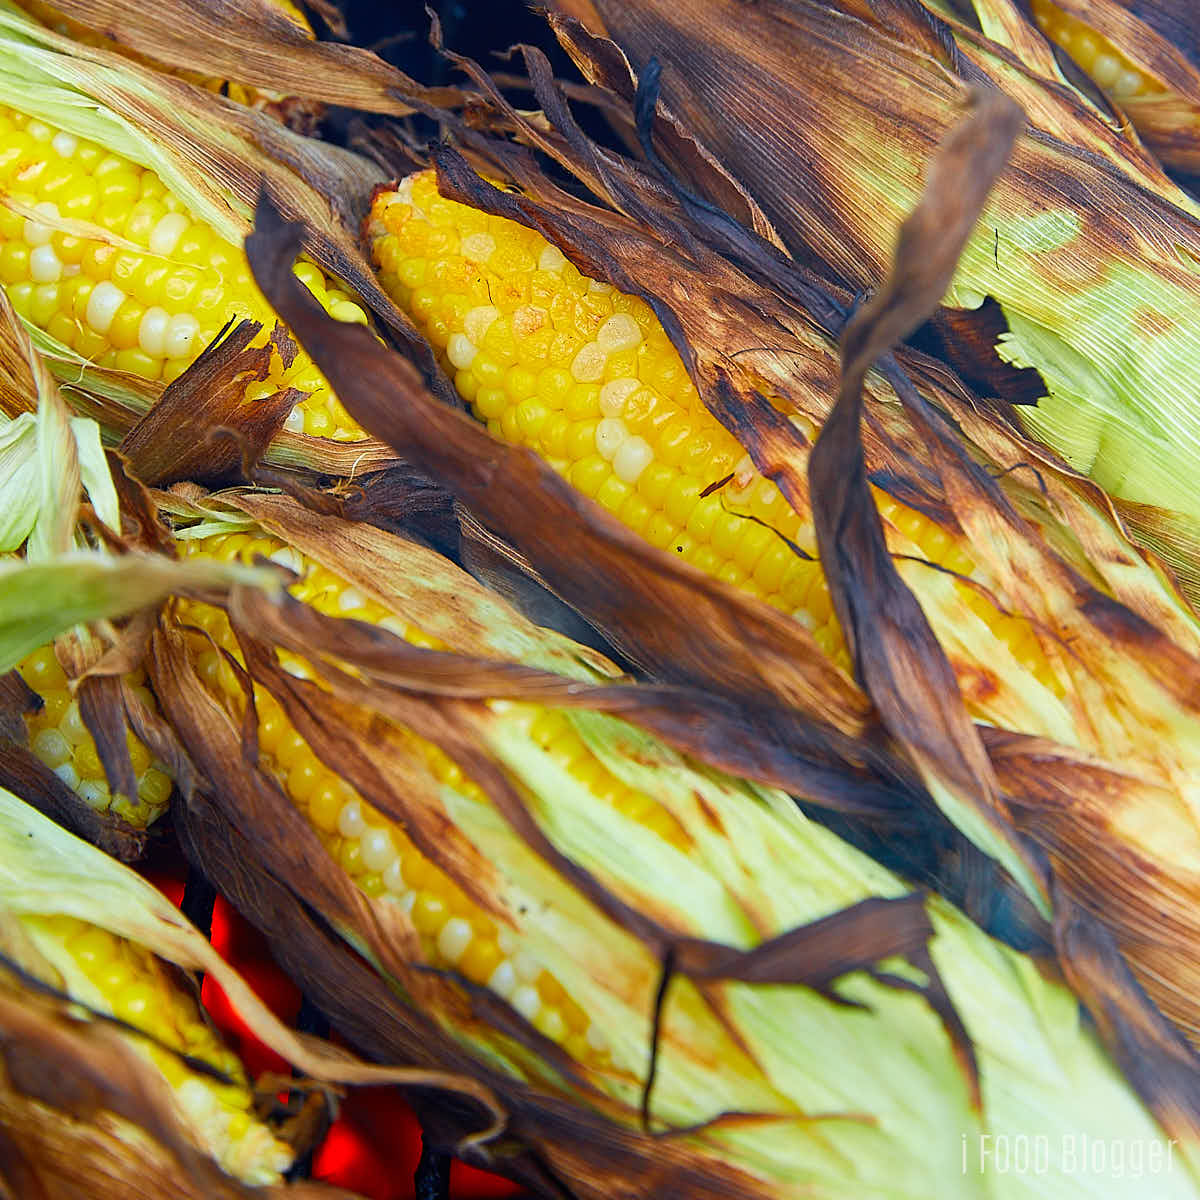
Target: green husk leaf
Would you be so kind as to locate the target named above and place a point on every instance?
(39, 600)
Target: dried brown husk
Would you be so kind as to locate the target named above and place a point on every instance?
(832, 136)
(254, 41)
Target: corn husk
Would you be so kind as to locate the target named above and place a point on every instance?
(80, 1105)
(298, 114)
(1085, 245)
(256, 42)
(770, 924)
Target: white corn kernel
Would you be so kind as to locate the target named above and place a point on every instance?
(102, 305)
(94, 794)
(166, 234)
(461, 351)
(551, 259)
(152, 332)
(181, 333)
(619, 332)
(526, 1000)
(44, 265)
(378, 850)
(588, 364)
(503, 980)
(454, 938)
(52, 748)
(64, 145)
(615, 393)
(351, 821)
(287, 556)
(633, 456)
(67, 773)
(295, 420)
(610, 434)
(479, 320)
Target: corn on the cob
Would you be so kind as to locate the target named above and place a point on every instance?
(115, 975)
(586, 377)
(1095, 54)
(98, 254)
(373, 849)
(716, 859)
(58, 736)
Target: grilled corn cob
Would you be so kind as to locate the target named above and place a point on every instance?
(714, 858)
(98, 254)
(373, 849)
(121, 977)
(586, 377)
(116, 976)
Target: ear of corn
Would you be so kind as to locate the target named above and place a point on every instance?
(152, 286)
(586, 377)
(864, 1100)
(370, 847)
(119, 976)
(115, 976)
(1098, 294)
(113, 255)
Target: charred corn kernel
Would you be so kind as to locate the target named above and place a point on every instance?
(117, 976)
(374, 850)
(617, 415)
(60, 739)
(1097, 57)
(149, 311)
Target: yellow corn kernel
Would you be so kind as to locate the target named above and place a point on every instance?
(1097, 57)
